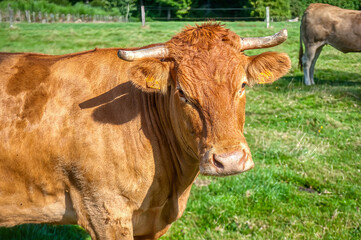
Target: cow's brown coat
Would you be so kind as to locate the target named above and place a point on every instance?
(86, 140)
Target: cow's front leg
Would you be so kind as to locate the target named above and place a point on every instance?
(110, 219)
(115, 228)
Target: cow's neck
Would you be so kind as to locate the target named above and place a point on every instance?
(175, 171)
(181, 167)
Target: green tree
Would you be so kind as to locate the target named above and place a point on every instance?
(60, 2)
(126, 7)
(279, 9)
(123, 7)
(181, 6)
(297, 7)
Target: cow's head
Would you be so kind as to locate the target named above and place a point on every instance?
(203, 72)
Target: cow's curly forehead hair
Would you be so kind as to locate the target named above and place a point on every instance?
(201, 37)
(201, 73)
(208, 56)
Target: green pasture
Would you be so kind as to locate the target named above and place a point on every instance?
(305, 141)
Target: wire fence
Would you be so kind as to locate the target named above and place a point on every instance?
(160, 13)
(157, 13)
(11, 16)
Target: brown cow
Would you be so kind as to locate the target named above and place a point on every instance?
(115, 145)
(325, 24)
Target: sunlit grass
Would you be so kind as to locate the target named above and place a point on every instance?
(305, 141)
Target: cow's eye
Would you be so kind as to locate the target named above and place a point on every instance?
(242, 88)
(182, 96)
(180, 92)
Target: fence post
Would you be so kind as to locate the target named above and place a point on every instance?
(34, 18)
(18, 16)
(142, 13)
(168, 15)
(28, 16)
(160, 9)
(0, 16)
(267, 16)
(127, 14)
(11, 16)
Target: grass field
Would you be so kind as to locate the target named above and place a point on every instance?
(305, 141)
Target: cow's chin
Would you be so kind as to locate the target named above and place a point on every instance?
(208, 170)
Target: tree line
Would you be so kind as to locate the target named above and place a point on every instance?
(177, 9)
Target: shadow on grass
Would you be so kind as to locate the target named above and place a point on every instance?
(44, 232)
(345, 85)
(327, 77)
(340, 84)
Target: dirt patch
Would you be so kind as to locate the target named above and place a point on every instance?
(307, 189)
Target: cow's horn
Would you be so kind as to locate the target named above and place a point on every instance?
(264, 42)
(158, 51)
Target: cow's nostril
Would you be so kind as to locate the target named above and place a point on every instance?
(217, 163)
(231, 162)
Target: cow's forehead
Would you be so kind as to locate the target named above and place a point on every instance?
(208, 57)
(202, 38)
(207, 72)
(219, 65)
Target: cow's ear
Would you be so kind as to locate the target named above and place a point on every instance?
(150, 75)
(267, 67)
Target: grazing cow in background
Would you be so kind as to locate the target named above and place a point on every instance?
(114, 145)
(325, 24)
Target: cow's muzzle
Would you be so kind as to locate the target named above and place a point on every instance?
(229, 163)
